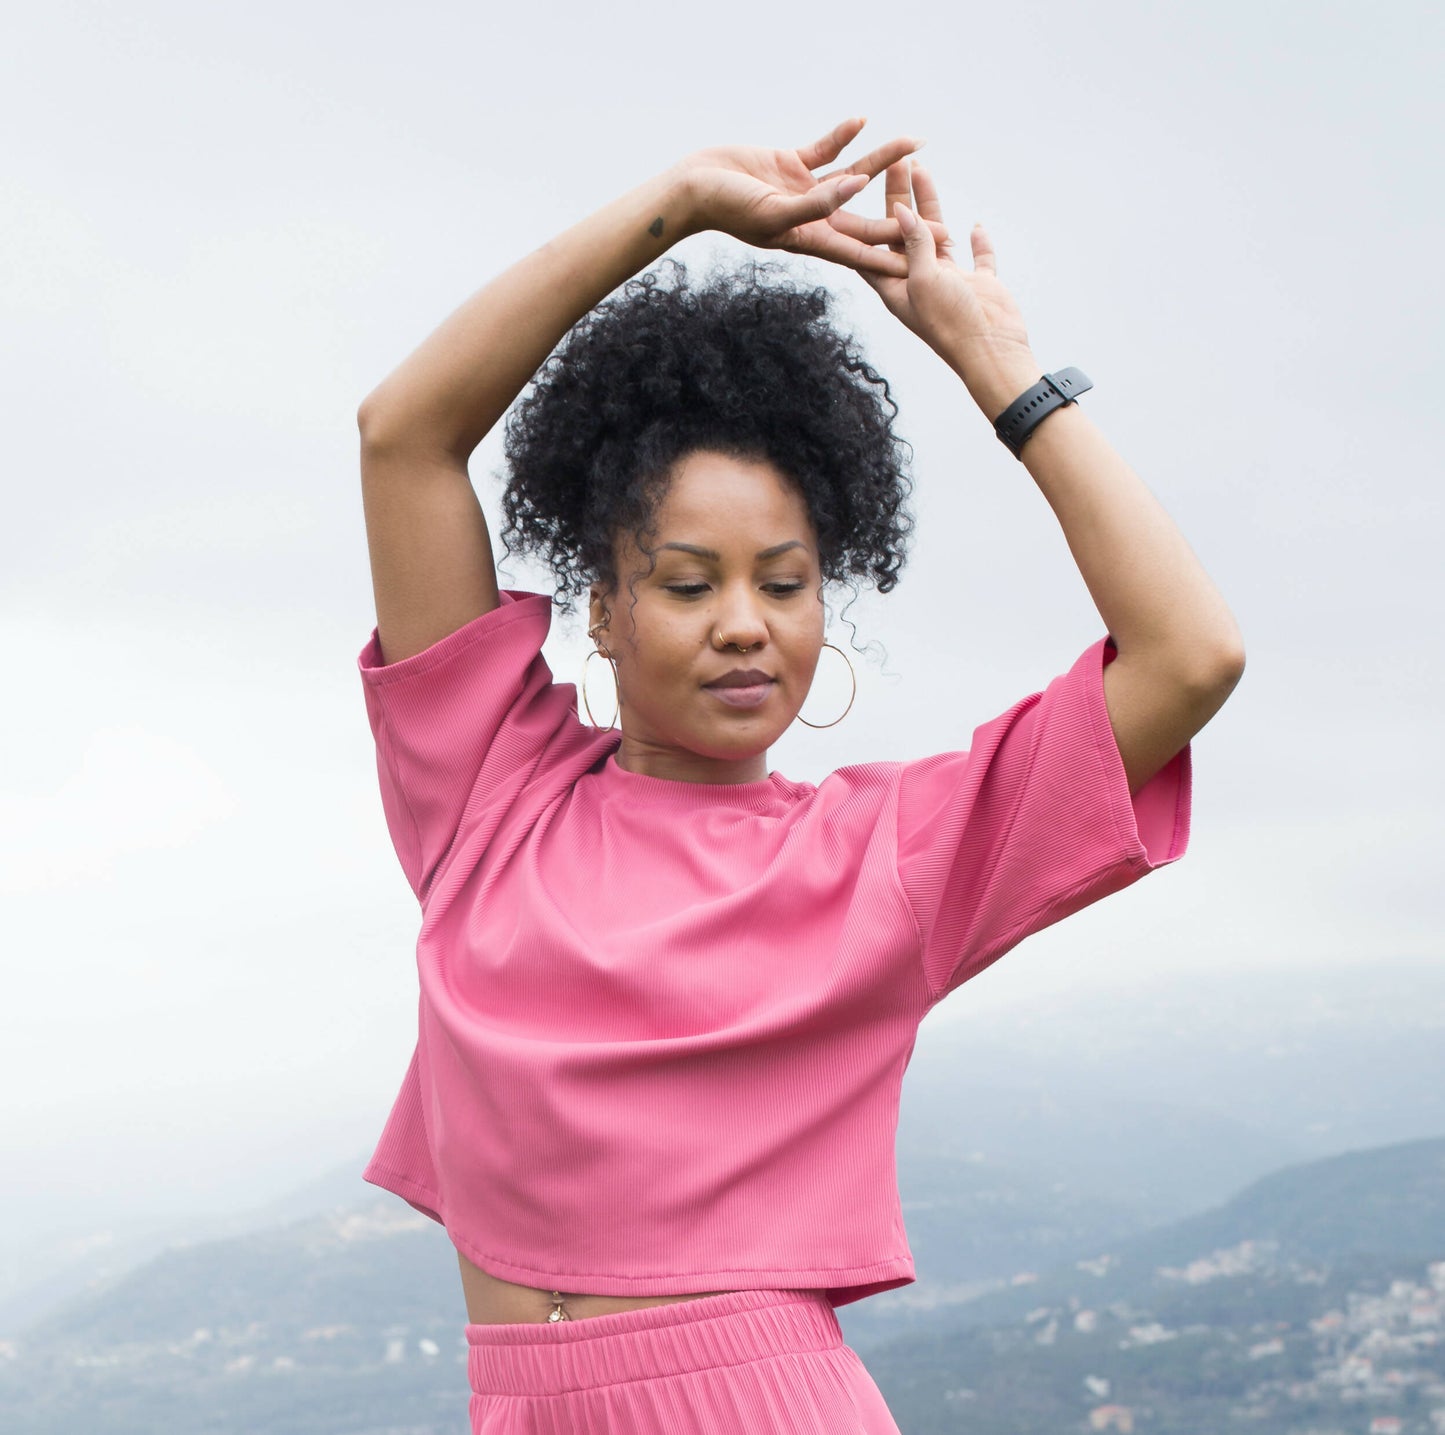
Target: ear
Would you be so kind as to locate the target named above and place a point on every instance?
(598, 607)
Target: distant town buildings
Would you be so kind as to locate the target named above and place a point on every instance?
(1111, 1417)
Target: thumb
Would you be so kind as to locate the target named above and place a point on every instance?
(820, 201)
(918, 237)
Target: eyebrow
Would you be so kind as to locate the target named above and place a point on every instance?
(717, 557)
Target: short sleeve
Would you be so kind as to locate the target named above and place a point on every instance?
(1034, 822)
(471, 717)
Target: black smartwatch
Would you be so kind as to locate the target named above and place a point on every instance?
(1015, 424)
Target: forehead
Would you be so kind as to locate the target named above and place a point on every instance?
(738, 503)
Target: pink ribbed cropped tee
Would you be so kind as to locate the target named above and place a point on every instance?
(664, 1024)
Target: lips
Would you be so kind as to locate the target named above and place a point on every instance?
(740, 678)
(743, 688)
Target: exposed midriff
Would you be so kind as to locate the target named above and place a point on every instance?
(493, 1301)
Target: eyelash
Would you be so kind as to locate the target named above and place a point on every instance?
(692, 590)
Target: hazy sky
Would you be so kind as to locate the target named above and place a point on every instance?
(221, 226)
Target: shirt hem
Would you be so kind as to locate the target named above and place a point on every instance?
(514, 607)
(1123, 804)
(841, 1286)
(422, 1198)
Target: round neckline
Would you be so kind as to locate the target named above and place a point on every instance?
(765, 789)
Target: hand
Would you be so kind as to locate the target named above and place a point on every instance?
(966, 316)
(771, 199)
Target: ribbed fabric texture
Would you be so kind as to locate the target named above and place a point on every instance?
(664, 1025)
(753, 1360)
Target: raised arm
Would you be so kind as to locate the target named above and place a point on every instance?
(431, 556)
(432, 567)
(1180, 653)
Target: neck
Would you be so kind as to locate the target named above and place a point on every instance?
(679, 765)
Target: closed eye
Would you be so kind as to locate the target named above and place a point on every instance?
(691, 590)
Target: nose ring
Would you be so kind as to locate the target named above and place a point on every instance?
(738, 646)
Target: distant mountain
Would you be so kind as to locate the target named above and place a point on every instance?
(1248, 1345)
(386, 1259)
(1385, 1203)
(322, 1325)
(972, 1222)
(1309, 1304)
(59, 1266)
(1162, 1159)
(1178, 1091)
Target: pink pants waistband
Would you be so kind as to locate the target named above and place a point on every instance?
(549, 1357)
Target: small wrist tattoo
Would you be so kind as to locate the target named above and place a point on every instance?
(655, 228)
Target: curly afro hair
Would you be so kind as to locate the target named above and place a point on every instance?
(741, 366)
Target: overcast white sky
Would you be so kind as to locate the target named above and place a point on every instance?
(221, 226)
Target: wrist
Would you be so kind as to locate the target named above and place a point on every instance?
(684, 204)
(996, 375)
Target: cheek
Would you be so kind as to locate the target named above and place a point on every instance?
(809, 631)
(660, 659)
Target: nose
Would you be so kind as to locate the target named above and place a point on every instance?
(739, 620)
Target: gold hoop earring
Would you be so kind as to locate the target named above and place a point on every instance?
(617, 696)
(854, 694)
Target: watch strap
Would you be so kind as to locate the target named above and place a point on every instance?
(1018, 421)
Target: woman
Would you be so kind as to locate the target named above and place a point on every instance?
(668, 996)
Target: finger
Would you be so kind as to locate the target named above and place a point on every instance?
(930, 208)
(926, 193)
(827, 149)
(825, 243)
(876, 161)
(794, 211)
(922, 254)
(983, 255)
(878, 231)
(897, 189)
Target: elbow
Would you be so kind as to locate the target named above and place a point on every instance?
(1208, 681)
(1202, 664)
(1212, 658)
(1222, 668)
(1228, 656)
(375, 418)
(366, 417)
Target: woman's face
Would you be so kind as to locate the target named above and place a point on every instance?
(737, 563)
